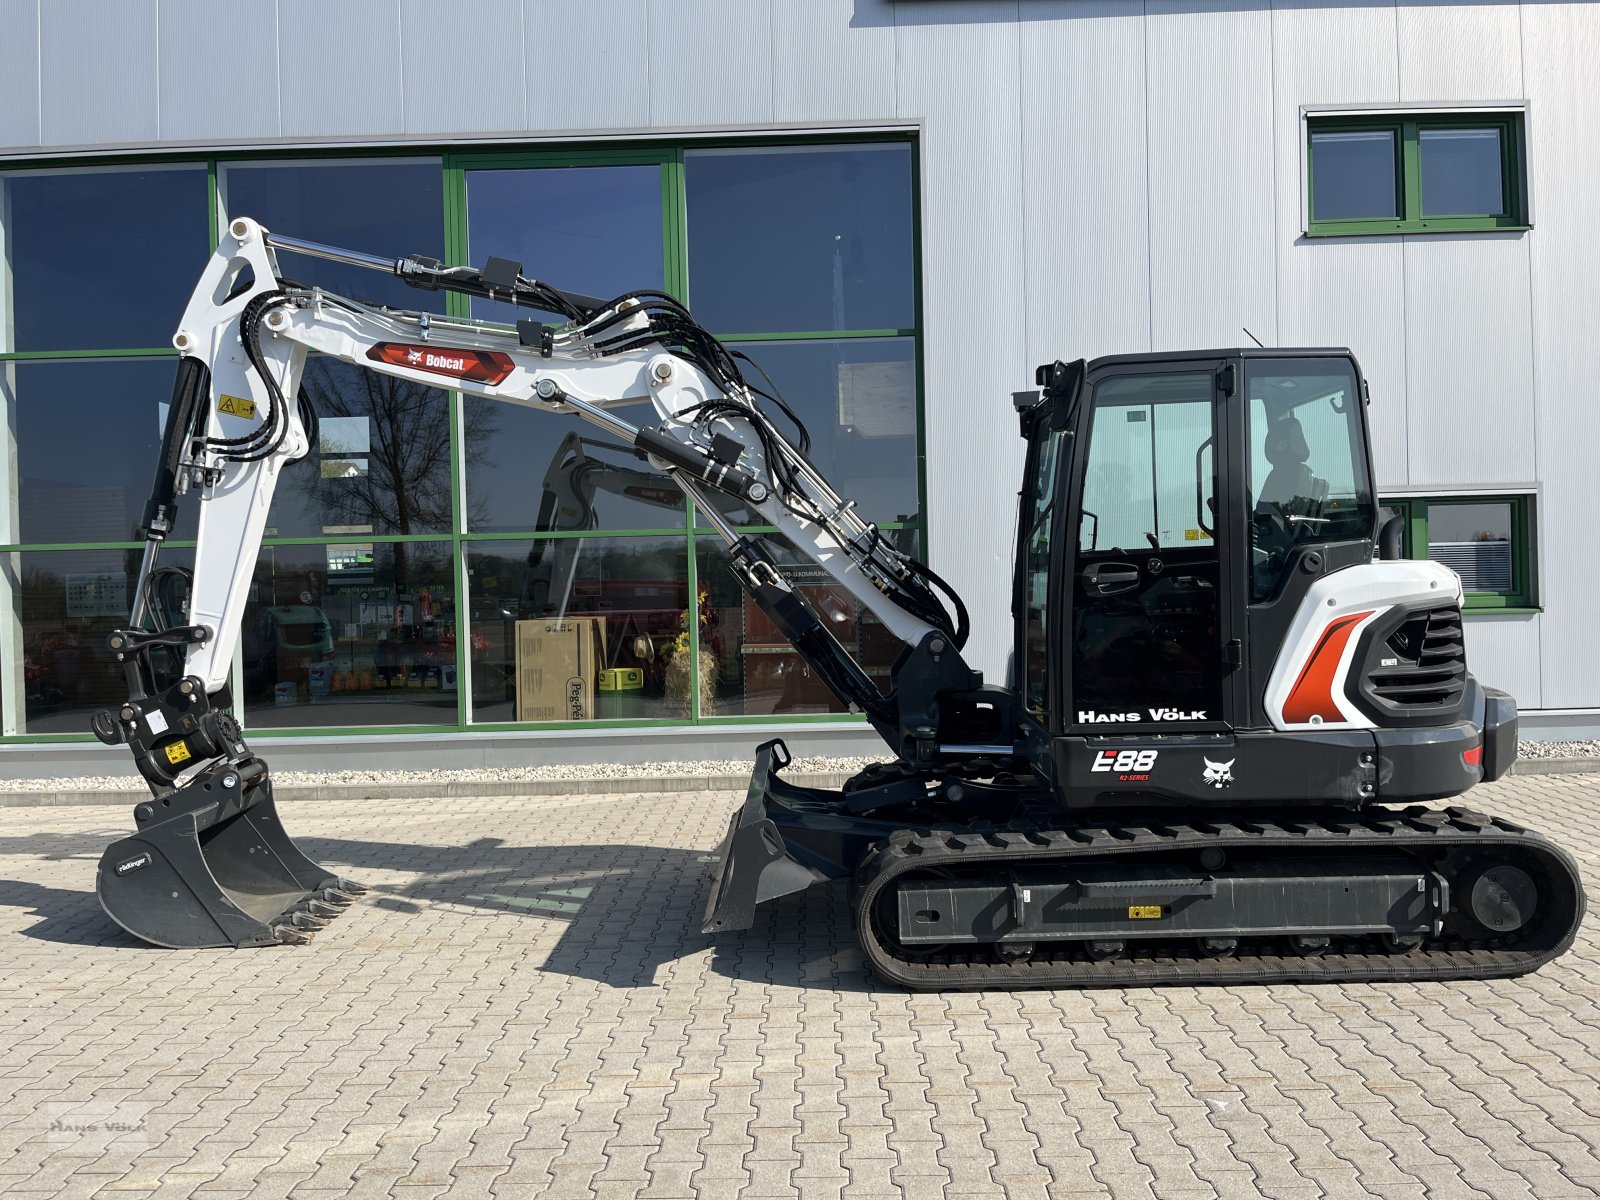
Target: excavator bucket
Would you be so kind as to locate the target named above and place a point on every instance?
(211, 865)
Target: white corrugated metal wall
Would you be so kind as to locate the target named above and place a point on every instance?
(1097, 176)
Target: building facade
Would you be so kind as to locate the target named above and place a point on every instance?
(896, 209)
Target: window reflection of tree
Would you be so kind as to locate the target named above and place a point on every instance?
(405, 488)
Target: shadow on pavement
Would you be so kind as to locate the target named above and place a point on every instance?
(627, 911)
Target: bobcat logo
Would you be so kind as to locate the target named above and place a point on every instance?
(413, 356)
(1218, 775)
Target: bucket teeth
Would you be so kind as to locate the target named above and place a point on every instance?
(304, 920)
(333, 896)
(288, 935)
(351, 888)
(320, 908)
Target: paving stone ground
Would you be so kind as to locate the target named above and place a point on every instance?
(524, 1007)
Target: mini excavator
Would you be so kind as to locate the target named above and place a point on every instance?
(1231, 697)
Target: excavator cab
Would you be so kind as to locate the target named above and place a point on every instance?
(1191, 618)
(1192, 490)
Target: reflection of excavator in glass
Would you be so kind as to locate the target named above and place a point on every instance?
(1229, 803)
(575, 477)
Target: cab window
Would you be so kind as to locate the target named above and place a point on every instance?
(1308, 469)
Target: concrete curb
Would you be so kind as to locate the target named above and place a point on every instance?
(643, 784)
(1555, 766)
(431, 791)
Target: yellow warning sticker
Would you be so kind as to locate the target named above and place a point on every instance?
(178, 752)
(1144, 912)
(1196, 535)
(236, 406)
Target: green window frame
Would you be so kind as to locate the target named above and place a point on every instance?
(455, 161)
(1523, 592)
(1408, 129)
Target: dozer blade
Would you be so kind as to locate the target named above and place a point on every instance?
(211, 866)
(754, 864)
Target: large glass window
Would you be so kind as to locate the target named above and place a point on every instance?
(1415, 173)
(748, 668)
(812, 237)
(64, 605)
(857, 399)
(609, 617)
(87, 434)
(438, 561)
(99, 259)
(350, 633)
(387, 208)
(594, 230)
(381, 463)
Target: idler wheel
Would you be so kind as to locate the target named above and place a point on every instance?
(1503, 899)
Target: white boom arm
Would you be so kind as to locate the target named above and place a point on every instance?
(253, 332)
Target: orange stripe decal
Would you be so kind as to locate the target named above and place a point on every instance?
(1312, 694)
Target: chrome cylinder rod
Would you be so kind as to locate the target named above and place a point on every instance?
(354, 258)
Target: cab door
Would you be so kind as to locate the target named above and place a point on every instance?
(1149, 633)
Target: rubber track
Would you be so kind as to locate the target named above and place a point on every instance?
(1412, 830)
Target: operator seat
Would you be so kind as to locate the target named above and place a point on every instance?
(1289, 490)
(1290, 477)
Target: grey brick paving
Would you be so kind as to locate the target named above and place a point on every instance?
(524, 1007)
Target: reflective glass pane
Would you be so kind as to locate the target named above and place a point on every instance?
(1461, 172)
(351, 634)
(595, 230)
(69, 603)
(530, 471)
(1353, 175)
(802, 238)
(580, 629)
(381, 463)
(100, 260)
(758, 671)
(857, 398)
(88, 435)
(1474, 541)
(390, 209)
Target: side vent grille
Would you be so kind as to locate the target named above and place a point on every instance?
(1423, 664)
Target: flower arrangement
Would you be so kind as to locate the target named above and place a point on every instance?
(678, 682)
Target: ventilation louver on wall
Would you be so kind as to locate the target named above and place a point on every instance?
(1483, 566)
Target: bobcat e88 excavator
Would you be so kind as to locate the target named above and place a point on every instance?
(1230, 691)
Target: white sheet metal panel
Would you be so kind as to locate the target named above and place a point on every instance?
(1459, 51)
(1212, 220)
(220, 77)
(1085, 205)
(1503, 652)
(832, 60)
(19, 73)
(97, 72)
(958, 72)
(588, 65)
(462, 66)
(1339, 291)
(1469, 359)
(1562, 45)
(711, 62)
(339, 67)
